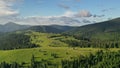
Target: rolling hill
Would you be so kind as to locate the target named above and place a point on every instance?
(39, 46)
(31, 39)
(107, 30)
(9, 41)
(106, 34)
(50, 28)
(10, 27)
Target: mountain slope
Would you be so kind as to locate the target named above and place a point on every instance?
(101, 30)
(15, 40)
(10, 27)
(50, 28)
(30, 39)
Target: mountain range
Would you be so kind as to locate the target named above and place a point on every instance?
(11, 27)
(106, 29)
(102, 27)
(19, 36)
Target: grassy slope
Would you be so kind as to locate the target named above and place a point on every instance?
(44, 52)
(44, 40)
(24, 55)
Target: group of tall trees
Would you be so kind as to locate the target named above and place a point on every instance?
(15, 41)
(92, 43)
(101, 59)
(12, 65)
(87, 41)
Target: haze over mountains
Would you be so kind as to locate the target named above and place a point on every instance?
(106, 26)
(10, 27)
(107, 30)
(69, 42)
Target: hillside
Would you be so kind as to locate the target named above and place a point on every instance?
(10, 27)
(35, 49)
(100, 35)
(31, 39)
(9, 41)
(50, 28)
(108, 30)
(55, 56)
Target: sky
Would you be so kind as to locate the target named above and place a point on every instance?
(58, 12)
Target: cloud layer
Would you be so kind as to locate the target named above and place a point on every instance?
(78, 18)
(48, 20)
(6, 8)
(79, 14)
(68, 18)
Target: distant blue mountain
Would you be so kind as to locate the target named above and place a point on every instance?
(10, 27)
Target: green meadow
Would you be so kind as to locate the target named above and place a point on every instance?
(52, 48)
(45, 53)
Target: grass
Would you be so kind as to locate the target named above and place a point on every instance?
(44, 53)
(44, 40)
(106, 36)
(51, 49)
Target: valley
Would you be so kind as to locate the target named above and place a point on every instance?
(73, 48)
(59, 34)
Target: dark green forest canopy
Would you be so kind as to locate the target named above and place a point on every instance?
(15, 41)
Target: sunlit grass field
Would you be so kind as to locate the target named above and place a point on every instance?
(44, 53)
(50, 49)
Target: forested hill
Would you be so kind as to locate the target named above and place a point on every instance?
(103, 30)
(10, 27)
(50, 28)
(15, 40)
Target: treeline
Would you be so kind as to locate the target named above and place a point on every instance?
(12, 65)
(15, 41)
(92, 43)
(87, 41)
(99, 60)
(106, 59)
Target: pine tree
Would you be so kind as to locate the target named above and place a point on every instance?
(33, 62)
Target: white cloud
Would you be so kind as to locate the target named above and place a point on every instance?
(8, 14)
(68, 18)
(48, 20)
(6, 8)
(69, 14)
(83, 13)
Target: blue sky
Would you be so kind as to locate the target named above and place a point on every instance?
(51, 7)
(38, 11)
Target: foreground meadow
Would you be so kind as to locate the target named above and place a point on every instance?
(52, 54)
